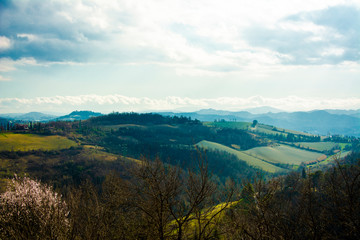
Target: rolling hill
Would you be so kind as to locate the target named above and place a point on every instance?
(35, 117)
(242, 156)
(315, 122)
(79, 115)
(284, 154)
(28, 142)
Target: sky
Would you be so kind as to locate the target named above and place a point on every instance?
(179, 55)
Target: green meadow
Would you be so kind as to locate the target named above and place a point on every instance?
(250, 160)
(321, 146)
(28, 142)
(268, 158)
(283, 154)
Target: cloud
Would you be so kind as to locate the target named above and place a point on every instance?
(327, 36)
(2, 78)
(7, 64)
(5, 43)
(206, 37)
(121, 103)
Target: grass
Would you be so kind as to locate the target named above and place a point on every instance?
(265, 129)
(269, 158)
(97, 153)
(262, 128)
(250, 160)
(210, 215)
(283, 154)
(321, 146)
(28, 142)
(318, 146)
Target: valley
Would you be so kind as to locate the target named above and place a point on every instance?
(118, 164)
(233, 149)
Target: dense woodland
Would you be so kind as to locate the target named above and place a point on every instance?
(173, 190)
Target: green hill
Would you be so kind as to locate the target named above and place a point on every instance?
(283, 154)
(27, 142)
(252, 161)
(322, 146)
(224, 124)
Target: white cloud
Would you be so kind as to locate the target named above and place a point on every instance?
(7, 64)
(333, 52)
(2, 78)
(108, 103)
(29, 37)
(5, 43)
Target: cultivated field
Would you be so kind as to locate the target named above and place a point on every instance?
(283, 154)
(28, 142)
(252, 161)
(319, 146)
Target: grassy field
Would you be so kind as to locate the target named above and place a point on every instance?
(27, 142)
(236, 125)
(267, 130)
(252, 161)
(283, 154)
(321, 146)
(262, 128)
(294, 132)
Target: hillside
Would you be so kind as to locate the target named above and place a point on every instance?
(232, 149)
(78, 115)
(315, 122)
(242, 156)
(284, 155)
(113, 167)
(28, 142)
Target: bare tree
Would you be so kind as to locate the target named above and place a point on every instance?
(179, 204)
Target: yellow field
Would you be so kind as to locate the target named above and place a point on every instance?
(28, 142)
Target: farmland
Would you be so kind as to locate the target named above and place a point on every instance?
(283, 154)
(27, 142)
(250, 160)
(322, 146)
(269, 158)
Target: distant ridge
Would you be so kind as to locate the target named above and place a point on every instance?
(35, 116)
(316, 122)
(354, 113)
(264, 109)
(79, 115)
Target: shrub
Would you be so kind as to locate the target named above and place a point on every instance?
(32, 210)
